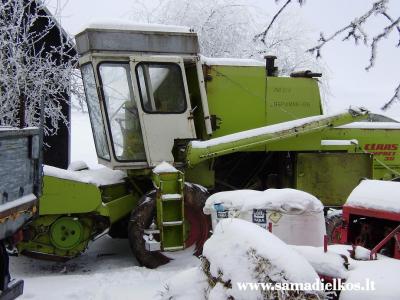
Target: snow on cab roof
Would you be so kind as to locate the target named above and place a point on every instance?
(289, 201)
(126, 25)
(224, 61)
(376, 194)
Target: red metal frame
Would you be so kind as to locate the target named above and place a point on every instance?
(383, 242)
(349, 211)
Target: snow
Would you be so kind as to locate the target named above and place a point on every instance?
(376, 194)
(271, 129)
(108, 270)
(338, 142)
(188, 284)
(77, 166)
(171, 196)
(164, 167)
(289, 201)
(383, 272)
(20, 201)
(98, 177)
(371, 125)
(126, 25)
(328, 264)
(236, 252)
(362, 253)
(222, 61)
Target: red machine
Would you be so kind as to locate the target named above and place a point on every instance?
(371, 218)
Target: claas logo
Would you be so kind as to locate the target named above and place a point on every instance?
(375, 147)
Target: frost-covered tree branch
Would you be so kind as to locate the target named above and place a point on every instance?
(355, 31)
(31, 68)
(226, 28)
(263, 34)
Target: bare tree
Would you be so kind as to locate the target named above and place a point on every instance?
(31, 70)
(226, 28)
(355, 31)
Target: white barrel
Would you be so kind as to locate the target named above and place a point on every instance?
(295, 217)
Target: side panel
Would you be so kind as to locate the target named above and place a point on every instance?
(383, 143)
(236, 95)
(62, 196)
(331, 176)
(291, 98)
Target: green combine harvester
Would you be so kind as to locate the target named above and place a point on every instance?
(173, 126)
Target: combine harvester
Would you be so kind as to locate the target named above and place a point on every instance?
(224, 124)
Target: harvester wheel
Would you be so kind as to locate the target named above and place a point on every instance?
(145, 213)
(333, 224)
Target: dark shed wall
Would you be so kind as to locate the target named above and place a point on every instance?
(58, 154)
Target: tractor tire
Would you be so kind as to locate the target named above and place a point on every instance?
(119, 230)
(141, 218)
(333, 223)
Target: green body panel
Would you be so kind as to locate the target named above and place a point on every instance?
(52, 236)
(244, 98)
(72, 213)
(236, 95)
(119, 208)
(201, 174)
(328, 175)
(291, 98)
(62, 196)
(172, 236)
(67, 196)
(383, 143)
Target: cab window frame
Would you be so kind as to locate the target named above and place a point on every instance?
(181, 84)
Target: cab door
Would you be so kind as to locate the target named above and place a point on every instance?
(163, 103)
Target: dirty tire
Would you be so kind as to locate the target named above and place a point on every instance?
(143, 215)
(333, 224)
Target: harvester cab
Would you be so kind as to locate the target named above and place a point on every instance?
(144, 106)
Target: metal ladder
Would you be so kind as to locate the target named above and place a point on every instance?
(170, 209)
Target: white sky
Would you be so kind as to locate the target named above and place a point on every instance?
(349, 83)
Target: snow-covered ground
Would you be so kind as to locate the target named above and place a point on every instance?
(108, 270)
